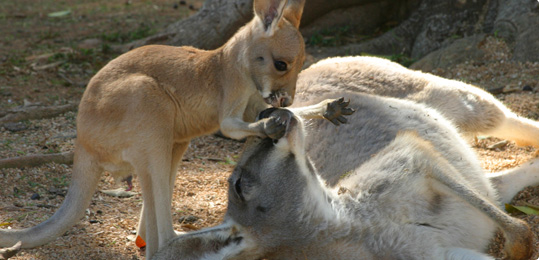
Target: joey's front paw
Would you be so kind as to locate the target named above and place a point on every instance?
(276, 124)
(336, 110)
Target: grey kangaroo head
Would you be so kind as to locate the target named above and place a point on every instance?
(277, 50)
(266, 188)
(266, 202)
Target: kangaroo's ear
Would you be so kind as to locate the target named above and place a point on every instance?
(293, 11)
(270, 13)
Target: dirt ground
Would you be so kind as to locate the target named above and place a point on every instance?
(49, 51)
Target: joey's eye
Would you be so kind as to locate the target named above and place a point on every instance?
(260, 58)
(237, 188)
(280, 65)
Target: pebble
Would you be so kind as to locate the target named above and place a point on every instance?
(35, 196)
(188, 219)
(527, 88)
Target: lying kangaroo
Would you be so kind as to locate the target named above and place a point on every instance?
(415, 190)
(140, 111)
(472, 110)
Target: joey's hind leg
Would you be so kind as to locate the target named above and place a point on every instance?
(153, 167)
(177, 153)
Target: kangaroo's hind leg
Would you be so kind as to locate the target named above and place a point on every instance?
(518, 236)
(177, 154)
(509, 182)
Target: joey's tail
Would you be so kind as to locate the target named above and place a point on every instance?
(86, 173)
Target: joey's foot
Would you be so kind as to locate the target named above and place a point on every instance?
(275, 125)
(336, 110)
(129, 181)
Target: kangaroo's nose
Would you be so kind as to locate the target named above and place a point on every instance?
(285, 101)
(279, 99)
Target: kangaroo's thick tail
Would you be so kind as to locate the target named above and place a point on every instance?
(85, 177)
(522, 130)
(510, 182)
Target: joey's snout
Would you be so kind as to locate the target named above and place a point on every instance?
(279, 99)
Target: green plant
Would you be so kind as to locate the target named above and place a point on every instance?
(122, 37)
(62, 181)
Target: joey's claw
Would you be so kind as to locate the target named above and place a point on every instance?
(336, 110)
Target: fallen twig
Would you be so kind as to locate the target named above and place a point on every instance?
(36, 160)
(35, 112)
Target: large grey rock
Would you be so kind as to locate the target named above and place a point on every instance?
(361, 19)
(518, 23)
(459, 51)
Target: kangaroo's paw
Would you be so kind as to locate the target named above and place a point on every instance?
(275, 125)
(336, 110)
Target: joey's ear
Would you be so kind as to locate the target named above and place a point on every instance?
(293, 11)
(270, 13)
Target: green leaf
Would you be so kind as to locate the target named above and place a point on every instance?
(5, 224)
(524, 209)
(229, 161)
(59, 13)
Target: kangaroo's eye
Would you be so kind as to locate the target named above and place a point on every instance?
(280, 65)
(237, 188)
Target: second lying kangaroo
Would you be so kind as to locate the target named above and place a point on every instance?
(413, 190)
